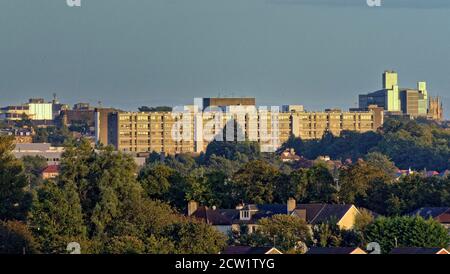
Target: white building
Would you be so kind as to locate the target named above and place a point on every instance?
(41, 111)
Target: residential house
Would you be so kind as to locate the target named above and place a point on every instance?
(50, 172)
(335, 250)
(289, 156)
(247, 216)
(440, 214)
(248, 250)
(343, 215)
(419, 250)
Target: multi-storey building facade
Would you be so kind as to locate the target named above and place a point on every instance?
(396, 100)
(191, 130)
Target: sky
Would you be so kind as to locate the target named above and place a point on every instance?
(129, 53)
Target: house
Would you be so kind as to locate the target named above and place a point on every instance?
(248, 250)
(51, 154)
(226, 220)
(335, 250)
(220, 219)
(419, 250)
(50, 172)
(440, 214)
(343, 215)
(289, 156)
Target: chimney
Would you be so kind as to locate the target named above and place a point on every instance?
(291, 205)
(192, 207)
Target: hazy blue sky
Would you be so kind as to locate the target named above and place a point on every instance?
(127, 53)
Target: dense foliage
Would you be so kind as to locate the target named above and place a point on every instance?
(412, 144)
(104, 202)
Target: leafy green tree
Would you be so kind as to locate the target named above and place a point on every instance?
(156, 180)
(16, 238)
(327, 235)
(159, 245)
(321, 187)
(15, 200)
(381, 162)
(234, 150)
(124, 245)
(293, 185)
(407, 232)
(356, 180)
(155, 109)
(363, 219)
(56, 218)
(255, 182)
(193, 237)
(34, 165)
(288, 233)
(56, 136)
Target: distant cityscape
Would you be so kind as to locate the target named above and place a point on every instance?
(154, 129)
(249, 179)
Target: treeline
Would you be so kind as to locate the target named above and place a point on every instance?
(102, 201)
(416, 144)
(223, 177)
(95, 201)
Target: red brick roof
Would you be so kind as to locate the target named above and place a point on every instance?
(51, 169)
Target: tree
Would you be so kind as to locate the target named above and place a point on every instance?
(56, 218)
(363, 219)
(34, 165)
(287, 233)
(155, 109)
(57, 136)
(124, 245)
(156, 180)
(254, 182)
(15, 200)
(381, 162)
(236, 151)
(327, 235)
(321, 187)
(15, 238)
(356, 180)
(413, 231)
(293, 185)
(194, 237)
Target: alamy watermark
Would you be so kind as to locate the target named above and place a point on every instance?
(73, 3)
(374, 3)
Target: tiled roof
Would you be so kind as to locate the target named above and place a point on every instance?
(427, 212)
(418, 250)
(247, 250)
(331, 250)
(212, 216)
(51, 169)
(320, 213)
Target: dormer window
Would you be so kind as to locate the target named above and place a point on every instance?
(245, 215)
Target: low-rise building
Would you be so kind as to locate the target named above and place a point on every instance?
(50, 172)
(50, 153)
(289, 156)
(335, 251)
(440, 214)
(21, 135)
(248, 250)
(419, 250)
(226, 220)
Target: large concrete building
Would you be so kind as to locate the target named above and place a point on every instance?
(396, 100)
(36, 109)
(191, 129)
